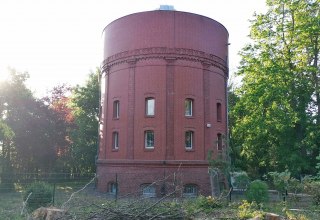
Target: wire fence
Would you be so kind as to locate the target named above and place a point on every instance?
(79, 194)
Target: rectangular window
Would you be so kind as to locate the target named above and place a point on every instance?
(188, 107)
(116, 109)
(150, 102)
(148, 190)
(219, 141)
(189, 139)
(115, 140)
(149, 139)
(219, 112)
(190, 190)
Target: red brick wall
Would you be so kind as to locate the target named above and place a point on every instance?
(170, 56)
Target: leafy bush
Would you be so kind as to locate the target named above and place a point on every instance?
(207, 204)
(38, 194)
(280, 180)
(313, 188)
(258, 192)
(249, 210)
(240, 180)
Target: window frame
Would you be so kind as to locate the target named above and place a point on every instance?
(150, 112)
(188, 107)
(146, 141)
(219, 142)
(219, 111)
(148, 190)
(115, 140)
(112, 188)
(189, 133)
(116, 109)
(190, 190)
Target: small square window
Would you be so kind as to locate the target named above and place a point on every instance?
(188, 103)
(189, 140)
(150, 104)
(190, 190)
(148, 190)
(149, 139)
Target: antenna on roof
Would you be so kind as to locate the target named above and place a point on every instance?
(166, 8)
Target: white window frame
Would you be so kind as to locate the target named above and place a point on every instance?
(146, 141)
(150, 106)
(188, 107)
(115, 140)
(116, 109)
(189, 134)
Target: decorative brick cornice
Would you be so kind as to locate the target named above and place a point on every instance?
(163, 53)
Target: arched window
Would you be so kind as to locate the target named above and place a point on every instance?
(116, 109)
(150, 106)
(115, 140)
(148, 190)
(149, 139)
(219, 112)
(189, 140)
(219, 141)
(188, 105)
(190, 190)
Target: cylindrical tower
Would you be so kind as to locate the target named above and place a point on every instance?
(163, 103)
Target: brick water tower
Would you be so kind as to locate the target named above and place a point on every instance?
(163, 103)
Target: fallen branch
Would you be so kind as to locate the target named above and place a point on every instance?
(63, 205)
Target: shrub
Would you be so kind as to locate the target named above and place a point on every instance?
(41, 195)
(258, 192)
(207, 204)
(280, 180)
(313, 188)
(249, 210)
(241, 180)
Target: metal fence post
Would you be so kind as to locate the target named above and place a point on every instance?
(116, 187)
(53, 193)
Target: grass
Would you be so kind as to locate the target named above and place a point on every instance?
(88, 203)
(11, 206)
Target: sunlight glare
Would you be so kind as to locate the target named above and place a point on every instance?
(4, 74)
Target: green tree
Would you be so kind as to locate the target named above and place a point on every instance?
(276, 119)
(85, 107)
(33, 147)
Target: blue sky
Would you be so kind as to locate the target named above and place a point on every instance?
(60, 41)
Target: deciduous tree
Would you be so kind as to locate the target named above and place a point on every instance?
(276, 119)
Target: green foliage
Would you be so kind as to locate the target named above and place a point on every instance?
(38, 194)
(248, 210)
(257, 192)
(241, 180)
(208, 203)
(280, 180)
(298, 216)
(276, 118)
(318, 166)
(29, 128)
(85, 109)
(313, 189)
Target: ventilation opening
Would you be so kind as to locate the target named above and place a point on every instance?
(166, 8)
